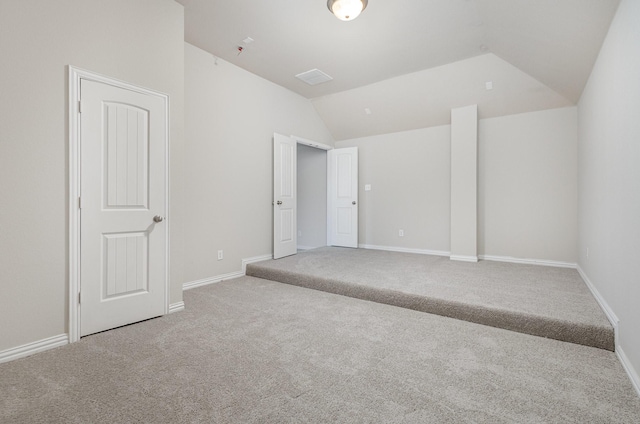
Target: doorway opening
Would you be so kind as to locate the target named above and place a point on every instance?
(312, 197)
(337, 198)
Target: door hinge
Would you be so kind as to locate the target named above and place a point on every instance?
(79, 202)
(79, 106)
(79, 297)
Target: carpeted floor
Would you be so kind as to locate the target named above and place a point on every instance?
(256, 351)
(539, 300)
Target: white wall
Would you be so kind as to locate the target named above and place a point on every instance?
(609, 177)
(230, 117)
(527, 179)
(140, 42)
(424, 99)
(409, 174)
(527, 185)
(312, 197)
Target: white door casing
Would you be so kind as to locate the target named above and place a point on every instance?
(342, 197)
(121, 160)
(284, 196)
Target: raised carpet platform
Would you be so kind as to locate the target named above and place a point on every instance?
(542, 301)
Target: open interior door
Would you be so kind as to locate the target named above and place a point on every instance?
(284, 196)
(342, 197)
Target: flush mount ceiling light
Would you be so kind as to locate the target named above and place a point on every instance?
(347, 10)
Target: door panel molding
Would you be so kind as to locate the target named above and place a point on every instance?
(76, 75)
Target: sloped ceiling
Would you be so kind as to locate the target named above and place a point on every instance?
(425, 98)
(410, 61)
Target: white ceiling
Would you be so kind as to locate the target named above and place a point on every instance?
(410, 61)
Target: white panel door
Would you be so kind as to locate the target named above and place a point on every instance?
(123, 201)
(284, 196)
(342, 197)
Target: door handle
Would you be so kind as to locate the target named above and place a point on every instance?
(353, 203)
(158, 218)
(279, 202)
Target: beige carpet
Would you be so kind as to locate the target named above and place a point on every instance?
(257, 351)
(539, 300)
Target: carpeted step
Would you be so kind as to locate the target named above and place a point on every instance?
(599, 336)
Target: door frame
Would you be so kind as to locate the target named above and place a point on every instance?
(311, 143)
(326, 148)
(320, 147)
(75, 77)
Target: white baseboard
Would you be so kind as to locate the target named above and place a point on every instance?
(631, 371)
(211, 280)
(470, 258)
(542, 262)
(615, 322)
(34, 347)
(404, 250)
(611, 316)
(463, 258)
(307, 247)
(228, 276)
(248, 261)
(176, 307)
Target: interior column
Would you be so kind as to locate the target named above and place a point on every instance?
(464, 183)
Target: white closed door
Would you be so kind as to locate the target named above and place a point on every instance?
(285, 225)
(123, 206)
(342, 197)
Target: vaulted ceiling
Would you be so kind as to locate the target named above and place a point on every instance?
(403, 64)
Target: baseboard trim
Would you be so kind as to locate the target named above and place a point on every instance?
(211, 280)
(176, 307)
(611, 316)
(404, 250)
(513, 260)
(33, 348)
(228, 276)
(630, 370)
(307, 247)
(615, 322)
(248, 261)
(463, 258)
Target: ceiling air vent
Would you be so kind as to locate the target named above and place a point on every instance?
(313, 77)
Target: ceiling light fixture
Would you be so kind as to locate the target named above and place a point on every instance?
(347, 10)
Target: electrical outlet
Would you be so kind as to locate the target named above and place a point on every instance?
(299, 233)
(220, 255)
(401, 233)
(587, 252)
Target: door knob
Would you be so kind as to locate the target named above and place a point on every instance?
(158, 218)
(279, 202)
(353, 203)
